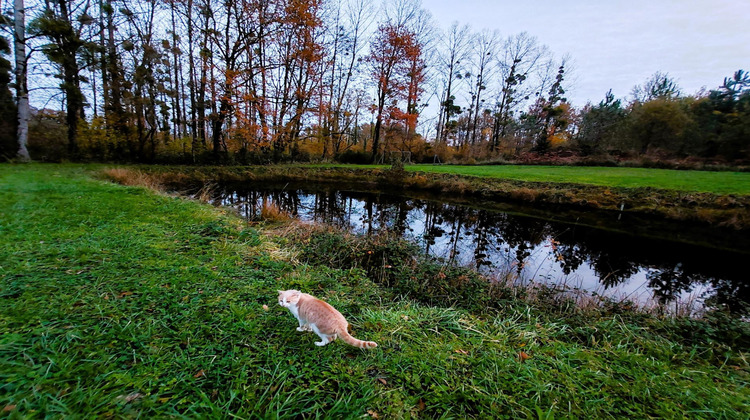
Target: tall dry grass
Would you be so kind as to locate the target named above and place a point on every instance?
(271, 212)
(133, 177)
(206, 192)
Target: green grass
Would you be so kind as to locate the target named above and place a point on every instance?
(701, 181)
(115, 301)
(618, 177)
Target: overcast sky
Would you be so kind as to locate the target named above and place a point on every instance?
(618, 44)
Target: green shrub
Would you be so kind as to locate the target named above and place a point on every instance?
(398, 264)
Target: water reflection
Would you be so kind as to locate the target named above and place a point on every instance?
(537, 250)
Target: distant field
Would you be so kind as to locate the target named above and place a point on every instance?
(702, 181)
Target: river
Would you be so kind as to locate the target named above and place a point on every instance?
(680, 267)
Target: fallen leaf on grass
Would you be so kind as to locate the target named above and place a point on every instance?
(382, 381)
(123, 294)
(373, 414)
(460, 351)
(523, 356)
(421, 405)
(130, 397)
(265, 307)
(201, 373)
(9, 407)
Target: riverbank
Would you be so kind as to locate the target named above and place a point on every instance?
(117, 301)
(670, 202)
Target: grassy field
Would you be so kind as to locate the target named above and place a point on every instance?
(116, 301)
(723, 182)
(701, 181)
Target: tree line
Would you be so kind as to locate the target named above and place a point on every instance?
(255, 81)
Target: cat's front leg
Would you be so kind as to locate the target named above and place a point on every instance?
(303, 326)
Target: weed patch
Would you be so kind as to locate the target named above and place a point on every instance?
(395, 264)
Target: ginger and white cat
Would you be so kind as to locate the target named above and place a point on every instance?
(319, 317)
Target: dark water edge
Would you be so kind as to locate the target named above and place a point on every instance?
(603, 253)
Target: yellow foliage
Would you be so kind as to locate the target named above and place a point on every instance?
(559, 138)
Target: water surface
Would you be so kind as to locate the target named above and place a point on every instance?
(645, 262)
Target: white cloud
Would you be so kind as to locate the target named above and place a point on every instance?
(617, 44)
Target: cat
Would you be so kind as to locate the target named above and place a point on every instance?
(319, 317)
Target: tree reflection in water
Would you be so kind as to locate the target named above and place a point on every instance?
(597, 260)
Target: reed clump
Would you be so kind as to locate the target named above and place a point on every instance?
(271, 212)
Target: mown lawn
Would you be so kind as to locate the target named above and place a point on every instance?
(681, 180)
(718, 182)
(116, 301)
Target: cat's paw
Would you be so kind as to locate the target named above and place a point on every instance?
(304, 328)
(321, 343)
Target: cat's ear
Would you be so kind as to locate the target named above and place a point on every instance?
(280, 291)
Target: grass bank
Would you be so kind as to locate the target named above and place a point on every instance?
(685, 196)
(693, 181)
(719, 183)
(117, 301)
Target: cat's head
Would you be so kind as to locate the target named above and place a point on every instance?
(288, 298)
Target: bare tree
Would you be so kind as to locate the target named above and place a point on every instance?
(451, 58)
(521, 58)
(347, 28)
(658, 86)
(56, 23)
(485, 46)
(22, 90)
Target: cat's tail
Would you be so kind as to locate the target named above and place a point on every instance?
(348, 339)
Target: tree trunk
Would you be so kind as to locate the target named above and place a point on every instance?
(71, 87)
(378, 126)
(22, 91)
(103, 53)
(217, 123)
(116, 116)
(178, 123)
(203, 84)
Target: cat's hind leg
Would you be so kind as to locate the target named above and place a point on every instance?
(324, 339)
